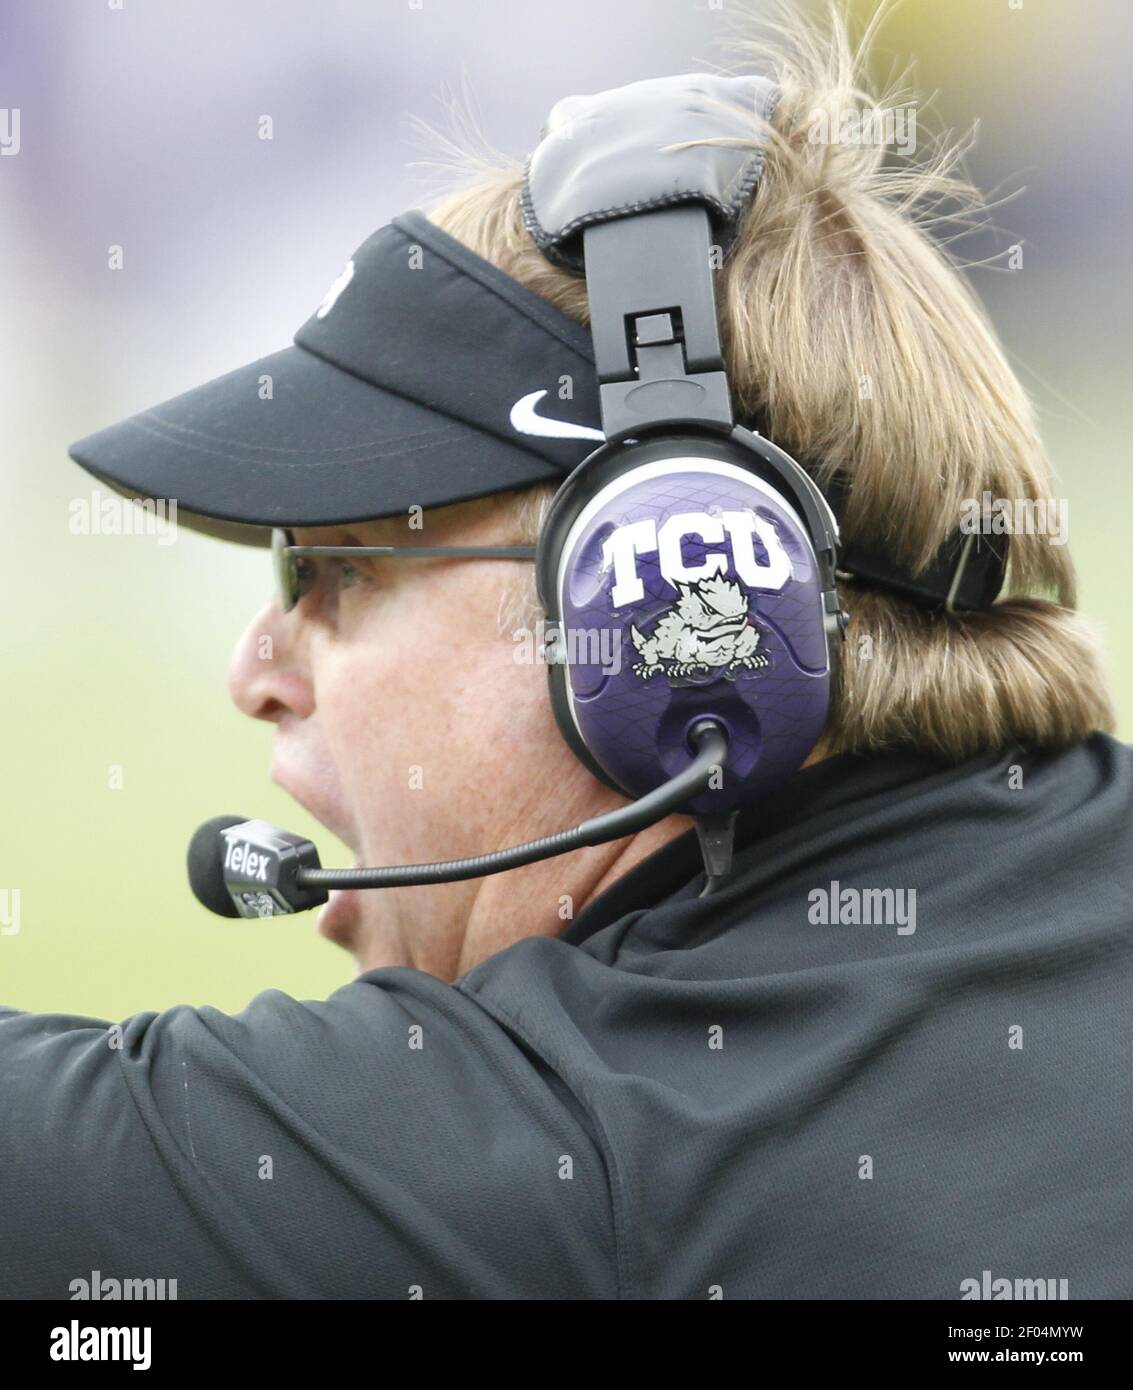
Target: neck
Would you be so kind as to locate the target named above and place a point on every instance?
(447, 929)
(542, 899)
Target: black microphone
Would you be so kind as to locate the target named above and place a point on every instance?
(248, 868)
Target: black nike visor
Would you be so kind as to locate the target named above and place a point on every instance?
(426, 377)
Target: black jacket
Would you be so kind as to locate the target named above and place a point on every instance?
(755, 1094)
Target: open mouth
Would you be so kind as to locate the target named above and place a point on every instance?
(290, 771)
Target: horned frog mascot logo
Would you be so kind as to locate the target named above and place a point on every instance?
(706, 630)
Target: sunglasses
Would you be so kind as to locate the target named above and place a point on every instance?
(293, 579)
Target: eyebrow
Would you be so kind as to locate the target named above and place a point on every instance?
(334, 537)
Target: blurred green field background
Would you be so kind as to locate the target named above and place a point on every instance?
(115, 649)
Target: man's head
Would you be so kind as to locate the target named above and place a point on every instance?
(405, 722)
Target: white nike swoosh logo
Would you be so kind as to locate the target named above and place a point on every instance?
(525, 420)
(331, 296)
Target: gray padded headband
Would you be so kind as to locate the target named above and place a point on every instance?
(608, 155)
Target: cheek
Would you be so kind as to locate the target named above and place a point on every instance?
(409, 697)
(422, 703)
(356, 684)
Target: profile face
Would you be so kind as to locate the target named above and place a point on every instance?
(403, 721)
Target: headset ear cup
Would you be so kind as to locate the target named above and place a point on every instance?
(560, 706)
(711, 584)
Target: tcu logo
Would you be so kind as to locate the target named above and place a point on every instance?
(647, 538)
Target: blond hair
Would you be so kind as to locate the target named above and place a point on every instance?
(851, 334)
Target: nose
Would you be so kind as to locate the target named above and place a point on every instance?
(267, 676)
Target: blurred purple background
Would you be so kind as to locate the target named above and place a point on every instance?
(139, 128)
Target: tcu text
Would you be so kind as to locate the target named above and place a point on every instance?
(647, 538)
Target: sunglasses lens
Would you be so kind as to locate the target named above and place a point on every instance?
(286, 571)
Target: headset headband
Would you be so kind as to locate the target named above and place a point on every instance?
(615, 186)
(606, 189)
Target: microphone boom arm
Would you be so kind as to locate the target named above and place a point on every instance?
(711, 744)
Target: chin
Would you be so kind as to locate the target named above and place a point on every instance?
(341, 919)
